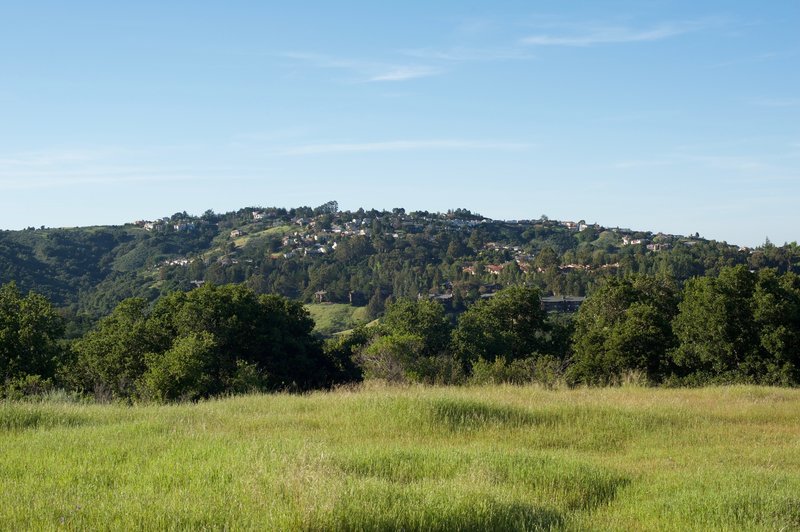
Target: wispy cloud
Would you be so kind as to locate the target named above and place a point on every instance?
(403, 145)
(777, 102)
(593, 35)
(365, 71)
(464, 54)
(403, 73)
(40, 159)
(63, 168)
(642, 163)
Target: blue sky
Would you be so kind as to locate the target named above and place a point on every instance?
(679, 117)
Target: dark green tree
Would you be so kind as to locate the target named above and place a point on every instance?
(510, 324)
(776, 310)
(112, 357)
(183, 372)
(210, 341)
(717, 333)
(423, 318)
(624, 326)
(29, 332)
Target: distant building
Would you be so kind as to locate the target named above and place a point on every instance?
(494, 269)
(562, 303)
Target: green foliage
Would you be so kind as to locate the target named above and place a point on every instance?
(183, 372)
(511, 324)
(392, 358)
(410, 345)
(776, 311)
(715, 325)
(624, 326)
(422, 318)
(112, 357)
(740, 327)
(29, 333)
(210, 341)
(343, 349)
(545, 370)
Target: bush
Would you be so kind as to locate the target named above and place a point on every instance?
(399, 358)
(390, 358)
(546, 370)
(27, 386)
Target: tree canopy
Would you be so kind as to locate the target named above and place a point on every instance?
(212, 340)
(29, 333)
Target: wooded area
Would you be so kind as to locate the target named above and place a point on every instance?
(739, 326)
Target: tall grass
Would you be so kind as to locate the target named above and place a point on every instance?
(376, 458)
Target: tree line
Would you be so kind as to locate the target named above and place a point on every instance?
(739, 326)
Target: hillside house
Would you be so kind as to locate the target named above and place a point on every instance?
(494, 269)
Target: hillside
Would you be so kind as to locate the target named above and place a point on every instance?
(358, 258)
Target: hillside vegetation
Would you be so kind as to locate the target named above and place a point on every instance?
(417, 458)
(363, 257)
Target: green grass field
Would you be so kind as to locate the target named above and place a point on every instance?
(332, 318)
(488, 458)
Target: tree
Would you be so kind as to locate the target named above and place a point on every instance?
(210, 341)
(392, 358)
(776, 311)
(624, 326)
(410, 345)
(546, 259)
(29, 333)
(511, 324)
(112, 357)
(425, 319)
(182, 372)
(715, 327)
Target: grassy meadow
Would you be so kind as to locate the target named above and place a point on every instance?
(333, 318)
(373, 458)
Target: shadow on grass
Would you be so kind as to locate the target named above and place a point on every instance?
(568, 484)
(395, 511)
(538, 483)
(471, 415)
